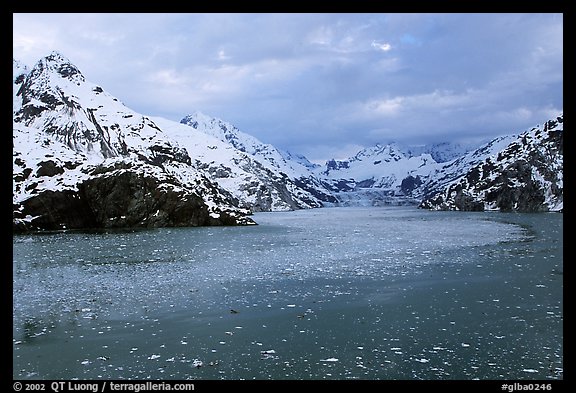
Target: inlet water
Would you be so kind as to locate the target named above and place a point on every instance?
(334, 293)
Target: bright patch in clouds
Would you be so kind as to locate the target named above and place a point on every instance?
(386, 107)
(385, 47)
(418, 103)
(222, 55)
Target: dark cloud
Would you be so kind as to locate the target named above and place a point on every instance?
(320, 84)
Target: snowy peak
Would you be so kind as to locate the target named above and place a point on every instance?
(387, 153)
(42, 80)
(298, 158)
(379, 166)
(55, 97)
(223, 131)
(394, 152)
(62, 66)
(286, 179)
(55, 64)
(266, 154)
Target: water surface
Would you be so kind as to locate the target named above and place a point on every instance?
(334, 293)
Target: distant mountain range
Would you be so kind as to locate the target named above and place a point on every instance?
(82, 159)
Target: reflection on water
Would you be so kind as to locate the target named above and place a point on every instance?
(339, 293)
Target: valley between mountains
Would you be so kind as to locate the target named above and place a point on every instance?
(82, 159)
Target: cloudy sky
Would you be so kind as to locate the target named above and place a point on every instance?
(323, 85)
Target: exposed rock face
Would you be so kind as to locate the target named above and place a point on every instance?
(526, 176)
(53, 210)
(119, 198)
(48, 168)
(410, 183)
(128, 199)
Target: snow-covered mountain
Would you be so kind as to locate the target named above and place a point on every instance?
(256, 180)
(273, 179)
(82, 159)
(516, 173)
(378, 166)
(68, 133)
(378, 175)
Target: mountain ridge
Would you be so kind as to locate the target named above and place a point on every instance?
(71, 139)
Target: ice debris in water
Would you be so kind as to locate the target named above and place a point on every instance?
(197, 363)
(268, 354)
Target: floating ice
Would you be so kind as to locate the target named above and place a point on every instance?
(530, 370)
(136, 299)
(197, 363)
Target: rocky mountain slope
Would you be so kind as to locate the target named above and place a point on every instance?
(258, 174)
(526, 175)
(84, 160)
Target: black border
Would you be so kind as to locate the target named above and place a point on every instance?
(357, 6)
